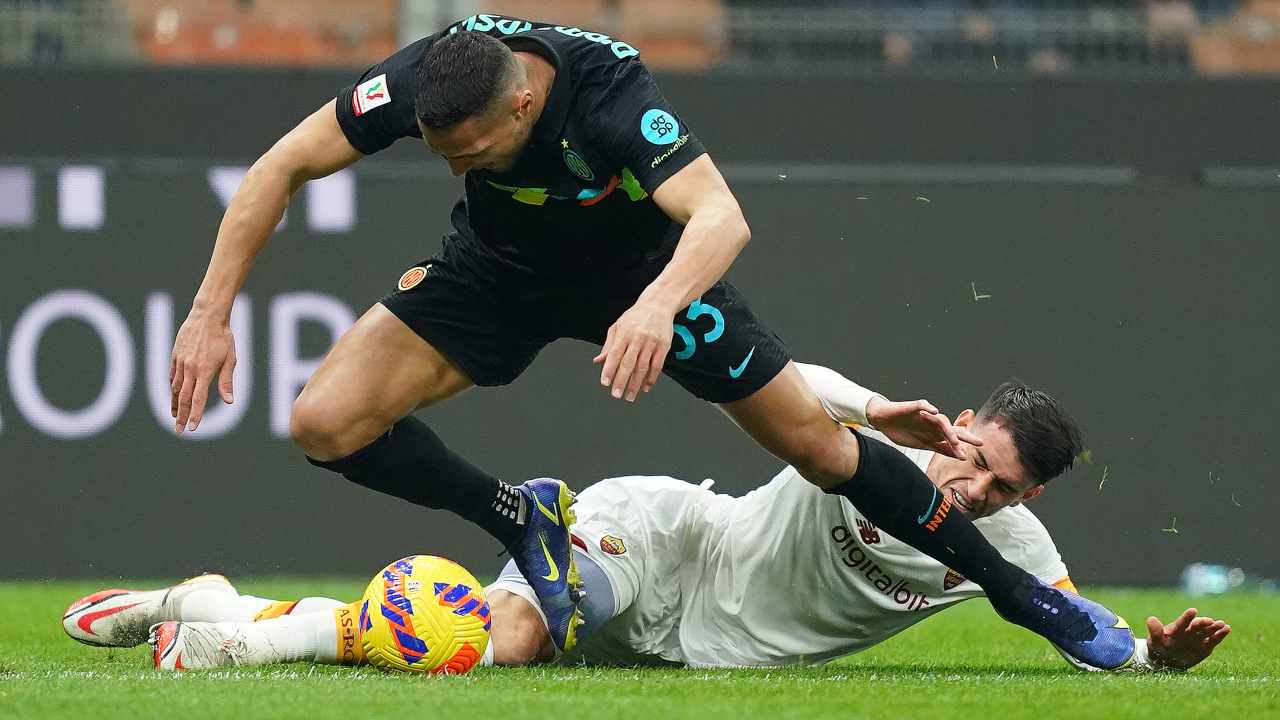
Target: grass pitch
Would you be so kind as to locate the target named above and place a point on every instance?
(964, 662)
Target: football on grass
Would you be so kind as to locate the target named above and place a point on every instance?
(424, 614)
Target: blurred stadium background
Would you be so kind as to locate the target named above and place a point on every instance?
(943, 194)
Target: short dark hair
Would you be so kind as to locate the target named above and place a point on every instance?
(1046, 437)
(460, 76)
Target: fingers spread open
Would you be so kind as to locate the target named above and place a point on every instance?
(1183, 620)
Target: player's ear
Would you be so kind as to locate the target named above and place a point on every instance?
(965, 418)
(522, 103)
(1032, 493)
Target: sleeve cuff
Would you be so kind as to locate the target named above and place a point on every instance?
(844, 400)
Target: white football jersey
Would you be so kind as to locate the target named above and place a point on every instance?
(790, 574)
(786, 574)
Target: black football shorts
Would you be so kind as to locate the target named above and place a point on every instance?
(492, 325)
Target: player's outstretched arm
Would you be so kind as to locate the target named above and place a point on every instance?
(1180, 645)
(917, 424)
(1185, 642)
(715, 231)
(204, 347)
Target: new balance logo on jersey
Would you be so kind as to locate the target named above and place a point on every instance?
(868, 532)
(854, 556)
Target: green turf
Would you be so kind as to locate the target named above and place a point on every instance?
(961, 663)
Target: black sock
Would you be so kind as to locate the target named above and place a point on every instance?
(897, 496)
(410, 462)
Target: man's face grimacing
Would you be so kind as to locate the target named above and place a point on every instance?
(991, 479)
(488, 141)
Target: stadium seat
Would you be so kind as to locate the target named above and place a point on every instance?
(270, 32)
(1245, 42)
(674, 34)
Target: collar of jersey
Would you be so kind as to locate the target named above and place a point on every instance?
(547, 130)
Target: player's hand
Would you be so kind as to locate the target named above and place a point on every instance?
(635, 349)
(919, 425)
(1186, 641)
(204, 349)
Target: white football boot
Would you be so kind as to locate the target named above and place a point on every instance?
(200, 645)
(120, 618)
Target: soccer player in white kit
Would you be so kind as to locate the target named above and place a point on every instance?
(695, 578)
(676, 574)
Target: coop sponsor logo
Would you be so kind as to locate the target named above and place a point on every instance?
(266, 335)
(679, 143)
(855, 557)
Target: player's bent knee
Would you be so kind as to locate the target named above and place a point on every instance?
(824, 456)
(322, 432)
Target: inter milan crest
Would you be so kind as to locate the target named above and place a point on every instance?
(576, 164)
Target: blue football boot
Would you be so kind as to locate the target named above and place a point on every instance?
(545, 557)
(1088, 635)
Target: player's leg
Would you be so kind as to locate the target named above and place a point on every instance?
(450, 327)
(898, 497)
(120, 618)
(781, 412)
(519, 632)
(353, 417)
(319, 630)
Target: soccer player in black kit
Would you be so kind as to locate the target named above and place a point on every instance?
(592, 211)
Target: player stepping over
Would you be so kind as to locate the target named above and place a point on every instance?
(544, 556)
(121, 618)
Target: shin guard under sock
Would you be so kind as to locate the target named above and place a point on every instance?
(892, 492)
(410, 462)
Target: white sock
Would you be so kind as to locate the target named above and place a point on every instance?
(294, 638)
(217, 605)
(308, 605)
(487, 658)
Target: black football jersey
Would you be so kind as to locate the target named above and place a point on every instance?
(578, 198)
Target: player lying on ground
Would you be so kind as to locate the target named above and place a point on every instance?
(677, 574)
(592, 211)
